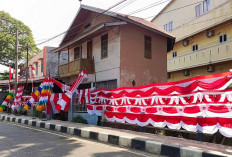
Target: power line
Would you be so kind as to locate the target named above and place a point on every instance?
(175, 9)
(125, 5)
(148, 7)
(82, 22)
(204, 20)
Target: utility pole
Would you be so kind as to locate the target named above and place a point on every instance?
(27, 68)
(16, 61)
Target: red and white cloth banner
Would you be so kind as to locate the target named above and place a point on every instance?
(188, 100)
(17, 100)
(55, 97)
(60, 85)
(63, 104)
(84, 96)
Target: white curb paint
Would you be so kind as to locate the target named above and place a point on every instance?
(102, 136)
(85, 133)
(153, 147)
(125, 141)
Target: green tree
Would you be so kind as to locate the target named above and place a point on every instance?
(4, 75)
(8, 27)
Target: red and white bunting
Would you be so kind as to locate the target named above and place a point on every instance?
(204, 101)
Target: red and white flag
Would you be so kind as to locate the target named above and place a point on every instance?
(33, 72)
(84, 96)
(64, 102)
(18, 100)
(55, 97)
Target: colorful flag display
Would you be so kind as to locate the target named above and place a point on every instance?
(34, 97)
(200, 103)
(6, 101)
(45, 94)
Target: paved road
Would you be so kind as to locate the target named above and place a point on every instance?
(18, 141)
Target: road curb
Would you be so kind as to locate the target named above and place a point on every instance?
(123, 141)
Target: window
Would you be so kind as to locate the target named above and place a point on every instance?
(202, 8)
(36, 66)
(206, 6)
(77, 52)
(104, 46)
(198, 10)
(41, 66)
(147, 47)
(222, 38)
(169, 26)
(89, 49)
(174, 54)
(195, 47)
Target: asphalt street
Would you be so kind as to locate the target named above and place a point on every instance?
(22, 141)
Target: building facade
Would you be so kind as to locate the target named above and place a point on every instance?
(203, 37)
(115, 49)
(45, 63)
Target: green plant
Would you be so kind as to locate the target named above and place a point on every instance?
(15, 112)
(79, 119)
(161, 132)
(36, 113)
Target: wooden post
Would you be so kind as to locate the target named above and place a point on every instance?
(16, 61)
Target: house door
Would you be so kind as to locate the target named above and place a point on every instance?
(89, 49)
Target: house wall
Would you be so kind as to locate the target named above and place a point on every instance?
(106, 68)
(133, 65)
(51, 62)
(36, 59)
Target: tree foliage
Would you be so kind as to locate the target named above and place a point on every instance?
(8, 27)
(4, 75)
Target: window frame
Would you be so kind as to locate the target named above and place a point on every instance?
(206, 6)
(174, 54)
(198, 10)
(41, 66)
(147, 47)
(195, 47)
(80, 52)
(104, 46)
(223, 38)
(36, 69)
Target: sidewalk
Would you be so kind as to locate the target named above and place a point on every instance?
(163, 145)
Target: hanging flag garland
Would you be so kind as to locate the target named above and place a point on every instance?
(200, 103)
(6, 101)
(45, 94)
